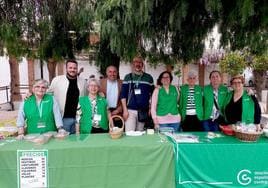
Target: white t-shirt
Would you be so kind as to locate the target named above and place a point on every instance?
(112, 93)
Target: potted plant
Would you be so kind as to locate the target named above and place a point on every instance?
(233, 63)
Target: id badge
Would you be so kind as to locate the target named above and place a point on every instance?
(41, 124)
(137, 91)
(97, 117)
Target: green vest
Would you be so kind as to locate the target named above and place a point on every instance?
(39, 121)
(209, 99)
(86, 116)
(198, 96)
(248, 107)
(167, 102)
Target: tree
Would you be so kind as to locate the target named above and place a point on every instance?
(244, 24)
(175, 31)
(157, 28)
(70, 23)
(11, 42)
(170, 32)
(39, 29)
(44, 27)
(178, 28)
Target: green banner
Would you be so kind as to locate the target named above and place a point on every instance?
(221, 162)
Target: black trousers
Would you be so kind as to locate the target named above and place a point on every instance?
(98, 130)
(191, 124)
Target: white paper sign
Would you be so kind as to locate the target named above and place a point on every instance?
(137, 91)
(32, 168)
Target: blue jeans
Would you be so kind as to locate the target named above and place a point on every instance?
(209, 125)
(175, 126)
(69, 125)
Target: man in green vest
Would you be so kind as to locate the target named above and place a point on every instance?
(40, 112)
(214, 96)
(191, 104)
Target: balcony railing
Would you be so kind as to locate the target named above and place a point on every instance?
(5, 93)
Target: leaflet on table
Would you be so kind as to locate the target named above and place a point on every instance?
(183, 138)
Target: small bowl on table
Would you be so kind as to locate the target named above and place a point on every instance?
(265, 132)
(227, 129)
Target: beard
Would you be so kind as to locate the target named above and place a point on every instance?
(71, 77)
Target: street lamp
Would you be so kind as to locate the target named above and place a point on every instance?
(72, 36)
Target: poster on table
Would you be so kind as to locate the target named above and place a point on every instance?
(32, 168)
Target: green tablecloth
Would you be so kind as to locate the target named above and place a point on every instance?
(222, 162)
(97, 161)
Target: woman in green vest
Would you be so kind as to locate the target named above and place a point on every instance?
(40, 111)
(191, 104)
(92, 113)
(239, 106)
(164, 107)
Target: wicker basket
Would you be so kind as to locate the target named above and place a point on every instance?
(247, 136)
(115, 134)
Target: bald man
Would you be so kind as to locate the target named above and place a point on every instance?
(111, 88)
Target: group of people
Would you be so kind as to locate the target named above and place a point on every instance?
(76, 106)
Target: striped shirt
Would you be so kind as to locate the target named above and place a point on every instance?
(190, 108)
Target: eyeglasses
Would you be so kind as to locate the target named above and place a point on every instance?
(40, 87)
(236, 82)
(92, 85)
(137, 61)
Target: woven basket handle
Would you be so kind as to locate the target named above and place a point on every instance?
(122, 120)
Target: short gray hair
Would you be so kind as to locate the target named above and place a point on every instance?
(192, 74)
(41, 81)
(93, 80)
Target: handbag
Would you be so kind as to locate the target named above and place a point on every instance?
(143, 114)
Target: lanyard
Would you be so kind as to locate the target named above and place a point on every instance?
(138, 80)
(40, 108)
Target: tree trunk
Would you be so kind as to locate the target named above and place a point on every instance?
(14, 81)
(260, 77)
(51, 66)
(201, 72)
(31, 77)
(60, 68)
(266, 104)
(185, 70)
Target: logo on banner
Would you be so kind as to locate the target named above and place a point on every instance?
(244, 177)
